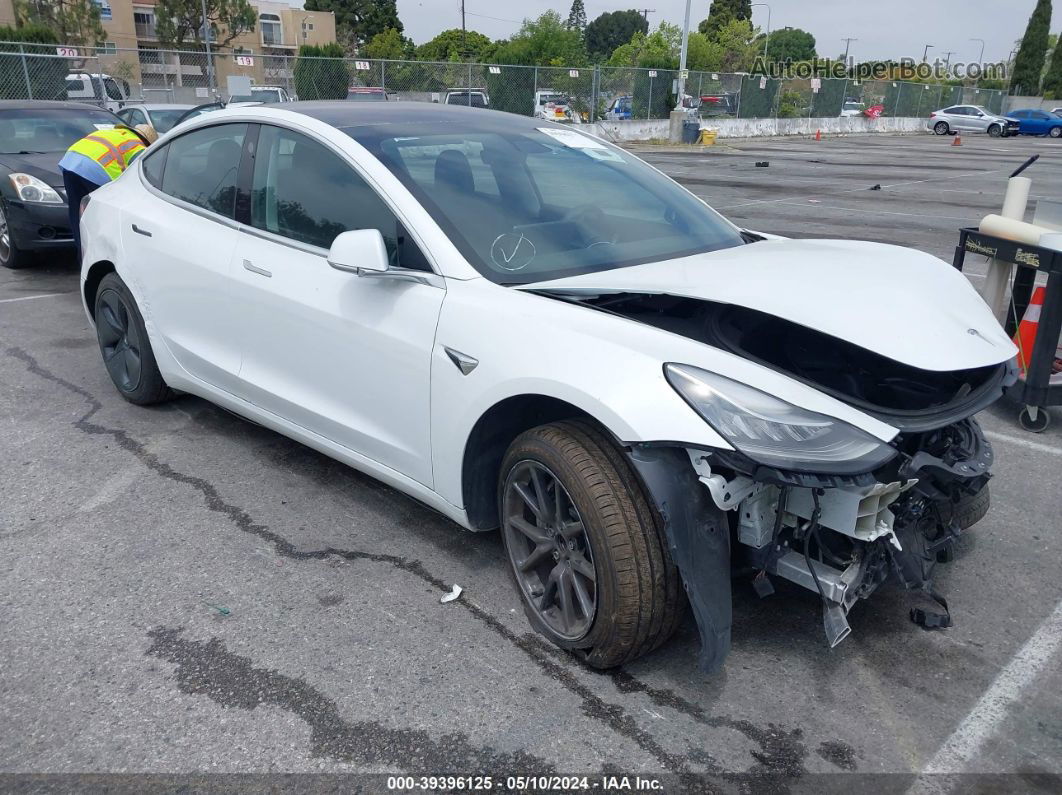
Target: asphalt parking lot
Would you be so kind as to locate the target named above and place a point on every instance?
(182, 591)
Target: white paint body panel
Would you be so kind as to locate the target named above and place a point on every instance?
(355, 367)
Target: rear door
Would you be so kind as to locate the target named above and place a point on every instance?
(182, 236)
(345, 356)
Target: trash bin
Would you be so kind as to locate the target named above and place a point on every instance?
(691, 131)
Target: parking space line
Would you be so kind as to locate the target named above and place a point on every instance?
(29, 297)
(1029, 444)
(991, 710)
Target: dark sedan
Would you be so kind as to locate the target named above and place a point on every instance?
(33, 137)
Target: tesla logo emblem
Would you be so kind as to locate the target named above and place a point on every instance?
(975, 333)
(512, 252)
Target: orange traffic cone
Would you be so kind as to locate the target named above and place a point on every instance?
(818, 135)
(1026, 336)
(958, 140)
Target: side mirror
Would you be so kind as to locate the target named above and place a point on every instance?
(360, 251)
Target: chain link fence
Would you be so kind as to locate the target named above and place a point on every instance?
(115, 76)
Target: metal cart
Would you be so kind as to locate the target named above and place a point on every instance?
(1038, 389)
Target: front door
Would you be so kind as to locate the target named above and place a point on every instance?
(345, 356)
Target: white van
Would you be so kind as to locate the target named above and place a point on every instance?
(99, 89)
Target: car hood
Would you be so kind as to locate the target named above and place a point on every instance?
(904, 304)
(44, 166)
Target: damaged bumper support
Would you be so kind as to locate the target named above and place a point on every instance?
(838, 536)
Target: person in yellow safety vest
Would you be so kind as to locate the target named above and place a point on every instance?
(95, 160)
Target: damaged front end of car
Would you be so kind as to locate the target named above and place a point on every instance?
(807, 497)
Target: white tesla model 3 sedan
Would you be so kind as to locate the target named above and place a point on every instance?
(528, 328)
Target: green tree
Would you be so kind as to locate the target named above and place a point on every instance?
(320, 72)
(457, 45)
(612, 30)
(722, 12)
(790, 44)
(389, 45)
(1053, 79)
(544, 41)
(357, 21)
(71, 21)
(1029, 62)
(43, 78)
(739, 45)
(180, 22)
(577, 17)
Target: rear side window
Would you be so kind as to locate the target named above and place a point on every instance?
(200, 167)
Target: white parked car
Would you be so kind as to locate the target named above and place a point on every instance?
(644, 397)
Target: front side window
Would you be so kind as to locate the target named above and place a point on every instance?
(304, 191)
(200, 167)
(525, 203)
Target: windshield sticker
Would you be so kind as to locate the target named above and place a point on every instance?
(571, 138)
(512, 252)
(604, 154)
(103, 126)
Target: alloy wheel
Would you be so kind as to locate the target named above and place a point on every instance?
(549, 550)
(119, 341)
(5, 237)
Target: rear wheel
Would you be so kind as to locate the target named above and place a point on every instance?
(1055, 132)
(995, 131)
(124, 344)
(585, 547)
(11, 256)
(941, 128)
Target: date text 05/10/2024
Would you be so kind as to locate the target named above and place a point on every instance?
(518, 783)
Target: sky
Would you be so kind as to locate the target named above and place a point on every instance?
(895, 28)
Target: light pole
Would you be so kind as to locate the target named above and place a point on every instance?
(682, 58)
(768, 36)
(980, 57)
(925, 52)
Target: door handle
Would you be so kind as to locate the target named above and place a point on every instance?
(248, 265)
(140, 231)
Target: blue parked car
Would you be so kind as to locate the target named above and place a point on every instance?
(621, 108)
(1033, 121)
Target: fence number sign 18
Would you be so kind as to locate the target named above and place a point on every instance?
(361, 66)
(494, 70)
(652, 73)
(244, 60)
(66, 52)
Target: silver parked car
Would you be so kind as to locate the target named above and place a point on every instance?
(971, 118)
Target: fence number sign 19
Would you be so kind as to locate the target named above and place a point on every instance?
(244, 60)
(361, 66)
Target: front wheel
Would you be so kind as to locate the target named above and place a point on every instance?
(124, 344)
(941, 128)
(995, 131)
(11, 256)
(585, 547)
(1055, 132)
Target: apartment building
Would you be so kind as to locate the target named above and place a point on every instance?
(133, 52)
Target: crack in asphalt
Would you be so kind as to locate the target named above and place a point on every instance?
(207, 668)
(781, 754)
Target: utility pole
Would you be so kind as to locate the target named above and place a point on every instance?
(646, 12)
(209, 54)
(464, 49)
(682, 58)
(847, 44)
(925, 52)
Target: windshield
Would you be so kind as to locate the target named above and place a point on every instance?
(163, 120)
(266, 95)
(48, 129)
(366, 96)
(526, 204)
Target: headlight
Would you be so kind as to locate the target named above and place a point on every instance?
(775, 433)
(31, 189)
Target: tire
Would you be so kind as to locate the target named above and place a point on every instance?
(124, 345)
(1055, 132)
(637, 590)
(11, 256)
(971, 509)
(995, 131)
(941, 128)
